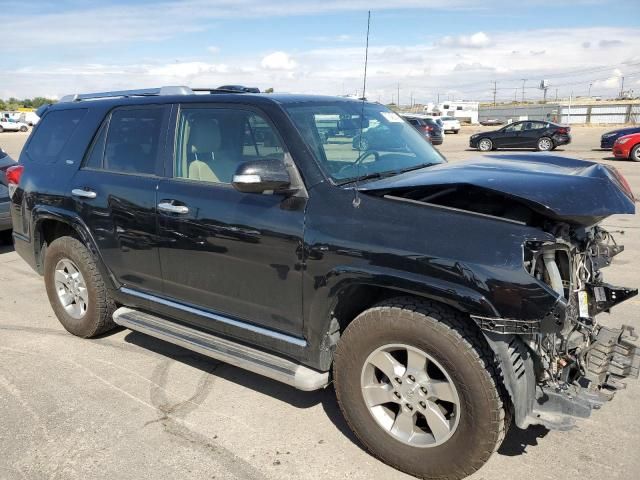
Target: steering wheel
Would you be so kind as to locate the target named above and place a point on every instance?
(360, 160)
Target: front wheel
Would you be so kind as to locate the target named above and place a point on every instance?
(418, 385)
(76, 290)
(23, 129)
(545, 144)
(485, 145)
(635, 153)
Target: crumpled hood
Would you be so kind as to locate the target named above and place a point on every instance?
(559, 187)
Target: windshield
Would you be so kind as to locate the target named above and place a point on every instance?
(387, 144)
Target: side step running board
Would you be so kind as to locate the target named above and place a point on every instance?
(266, 364)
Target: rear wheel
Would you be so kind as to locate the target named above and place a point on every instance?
(485, 145)
(76, 290)
(635, 153)
(545, 144)
(418, 385)
(23, 129)
(1, 129)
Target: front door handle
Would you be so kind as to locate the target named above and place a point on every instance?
(171, 208)
(79, 192)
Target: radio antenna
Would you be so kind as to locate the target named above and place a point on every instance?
(356, 198)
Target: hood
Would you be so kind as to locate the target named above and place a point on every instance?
(622, 131)
(557, 187)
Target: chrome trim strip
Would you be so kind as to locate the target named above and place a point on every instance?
(299, 342)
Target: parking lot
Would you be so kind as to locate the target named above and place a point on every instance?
(130, 406)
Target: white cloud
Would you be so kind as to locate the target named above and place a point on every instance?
(477, 40)
(278, 61)
(424, 69)
(185, 70)
(213, 49)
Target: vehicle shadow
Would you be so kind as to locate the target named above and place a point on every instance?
(284, 393)
(517, 440)
(514, 444)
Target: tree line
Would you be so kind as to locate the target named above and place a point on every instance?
(15, 103)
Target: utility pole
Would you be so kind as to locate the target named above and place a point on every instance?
(515, 95)
(621, 86)
(495, 88)
(556, 94)
(398, 93)
(524, 80)
(590, 85)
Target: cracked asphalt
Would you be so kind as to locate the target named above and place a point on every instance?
(129, 406)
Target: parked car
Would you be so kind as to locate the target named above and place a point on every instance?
(451, 124)
(436, 133)
(608, 139)
(420, 125)
(11, 125)
(5, 218)
(628, 147)
(314, 264)
(491, 122)
(543, 136)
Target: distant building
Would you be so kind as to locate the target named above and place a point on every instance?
(464, 111)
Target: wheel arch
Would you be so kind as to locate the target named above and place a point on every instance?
(353, 296)
(52, 223)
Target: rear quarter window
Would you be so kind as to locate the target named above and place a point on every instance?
(52, 134)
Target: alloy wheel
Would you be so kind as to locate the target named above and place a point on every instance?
(71, 288)
(410, 395)
(545, 144)
(485, 145)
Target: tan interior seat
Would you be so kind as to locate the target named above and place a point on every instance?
(210, 163)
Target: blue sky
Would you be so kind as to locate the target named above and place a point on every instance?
(455, 48)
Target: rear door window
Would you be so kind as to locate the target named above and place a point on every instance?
(52, 134)
(129, 141)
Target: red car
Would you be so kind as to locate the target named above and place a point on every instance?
(628, 147)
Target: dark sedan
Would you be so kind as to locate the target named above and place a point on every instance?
(543, 136)
(426, 125)
(608, 139)
(5, 219)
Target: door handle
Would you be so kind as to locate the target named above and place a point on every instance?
(79, 192)
(171, 208)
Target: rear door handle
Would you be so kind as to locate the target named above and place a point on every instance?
(79, 192)
(171, 208)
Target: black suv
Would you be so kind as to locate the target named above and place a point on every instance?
(443, 301)
(543, 136)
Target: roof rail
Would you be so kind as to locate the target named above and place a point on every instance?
(143, 92)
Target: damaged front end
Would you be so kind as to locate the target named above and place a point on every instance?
(571, 364)
(558, 363)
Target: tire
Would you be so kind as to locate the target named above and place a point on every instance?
(24, 129)
(545, 144)
(1, 129)
(635, 153)
(485, 145)
(96, 317)
(458, 349)
(6, 237)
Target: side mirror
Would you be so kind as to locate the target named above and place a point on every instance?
(258, 176)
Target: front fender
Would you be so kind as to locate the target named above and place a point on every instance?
(334, 288)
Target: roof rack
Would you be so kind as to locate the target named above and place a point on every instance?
(143, 92)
